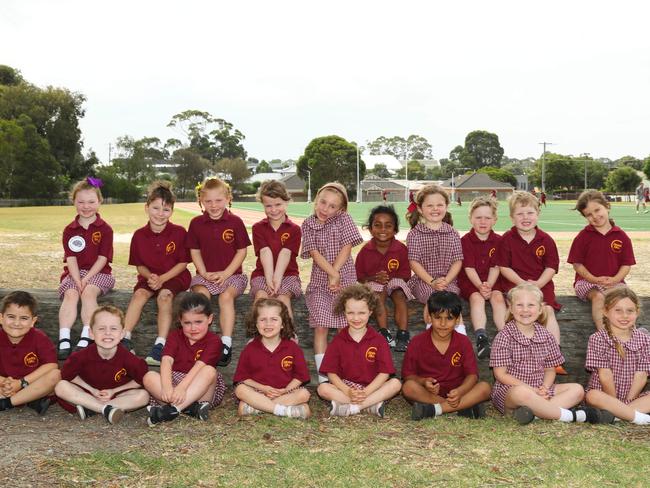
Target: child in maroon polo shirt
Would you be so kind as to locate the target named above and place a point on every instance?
(358, 362)
(28, 367)
(439, 370)
(526, 254)
(159, 254)
(272, 370)
(276, 240)
(601, 253)
(105, 377)
(382, 263)
(217, 241)
(87, 251)
(188, 381)
(479, 280)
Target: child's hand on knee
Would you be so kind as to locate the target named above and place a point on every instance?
(432, 386)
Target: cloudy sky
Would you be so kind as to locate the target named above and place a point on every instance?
(575, 73)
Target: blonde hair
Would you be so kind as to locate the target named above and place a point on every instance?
(590, 196)
(84, 185)
(336, 187)
(213, 183)
(530, 288)
(161, 189)
(483, 201)
(522, 199)
(612, 297)
(425, 191)
(273, 189)
(112, 309)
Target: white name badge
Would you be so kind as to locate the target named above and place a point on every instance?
(77, 244)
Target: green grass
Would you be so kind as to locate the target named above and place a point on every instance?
(557, 216)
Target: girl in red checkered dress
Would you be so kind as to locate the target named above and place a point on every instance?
(87, 250)
(217, 241)
(435, 251)
(328, 236)
(524, 357)
(276, 240)
(272, 370)
(618, 358)
(601, 254)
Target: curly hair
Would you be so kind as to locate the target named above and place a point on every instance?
(383, 209)
(359, 292)
(286, 332)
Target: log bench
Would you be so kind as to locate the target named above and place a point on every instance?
(574, 318)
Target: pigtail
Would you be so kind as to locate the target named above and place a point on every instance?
(447, 219)
(413, 218)
(619, 347)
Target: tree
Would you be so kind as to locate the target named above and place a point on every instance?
(500, 174)
(263, 167)
(380, 170)
(413, 147)
(331, 158)
(10, 76)
(629, 161)
(191, 169)
(646, 167)
(456, 153)
(416, 170)
(234, 171)
(561, 172)
(136, 158)
(481, 149)
(117, 186)
(596, 173)
(622, 179)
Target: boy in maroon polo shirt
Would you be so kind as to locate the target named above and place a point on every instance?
(358, 362)
(158, 252)
(28, 367)
(526, 254)
(105, 377)
(439, 370)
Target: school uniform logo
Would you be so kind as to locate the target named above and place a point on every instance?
(284, 237)
(170, 248)
(492, 251)
(540, 251)
(96, 237)
(287, 363)
(30, 360)
(119, 375)
(197, 356)
(393, 264)
(616, 246)
(76, 244)
(228, 236)
(371, 354)
(455, 359)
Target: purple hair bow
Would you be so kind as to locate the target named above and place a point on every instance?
(96, 182)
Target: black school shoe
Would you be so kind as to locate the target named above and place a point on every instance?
(84, 413)
(474, 412)
(402, 340)
(40, 406)
(166, 413)
(62, 354)
(421, 411)
(226, 356)
(113, 414)
(198, 410)
(482, 347)
(523, 415)
(388, 336)
(606, 417)
(592, 414)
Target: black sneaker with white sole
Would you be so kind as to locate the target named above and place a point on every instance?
(40, 406)
(388, 336)
(402, 340)
(198, 410)
(165, 413)
(523, 415)
(482, 347)
(474, 412)
(226, 356)
(113, 414)
(421, 411)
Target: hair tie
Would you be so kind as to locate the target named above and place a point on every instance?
(198, 187)
(94, 182)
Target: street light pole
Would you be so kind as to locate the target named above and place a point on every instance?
(544, 164)
(358, 182)
(586, 156)
(308, 186)
(406, 168)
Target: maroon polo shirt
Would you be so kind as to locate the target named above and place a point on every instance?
(276, 369)
(88, 244)
(104, 374)
(395, 262)
(218, 240)
(450, 369)
(359, 362)
(601, 254)
(287, 236)
(160, 252)
(207, 350)
(479, 255)
(33, 351)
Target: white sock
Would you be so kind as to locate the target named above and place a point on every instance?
(85, 332)
(581, 416)
(64, 334)
(641, 418)
(280, 410)
(566, 415)
(318, 359)
(227, 341)
(127, 334)
(160, 340)
(438, 408)
(354, 409)
(460, 328)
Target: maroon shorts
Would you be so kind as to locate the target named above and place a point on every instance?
(176, 285)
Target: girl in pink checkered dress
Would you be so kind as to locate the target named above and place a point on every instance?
(87, 251)
(524, 356)
(618, 358)
(328, 236)
(434, 248)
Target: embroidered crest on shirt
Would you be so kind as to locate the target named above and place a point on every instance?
(455, 359)
(30, 360)
(540, 251)
(228, 235)
(284, 237)
(492, 251)
(393, 264)
(170, 248)
(119, 375)
(197, 356)
(96, 237)
(371, 354)
(287, 363)
(616, 246)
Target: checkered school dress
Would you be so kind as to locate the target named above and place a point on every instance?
(392, 285)
(435, 250)
(290, 285)
(602, 353)
(328, 238)
(104, 281)
(237, 281)
(583, 287)
(217, 396)
(524, 358)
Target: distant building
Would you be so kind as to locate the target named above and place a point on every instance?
(426, 163)
(391, 162)
(522, 182)
(471, 186)
(373, 188)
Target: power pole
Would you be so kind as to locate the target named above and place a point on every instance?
(544, 164)
(586, 156)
